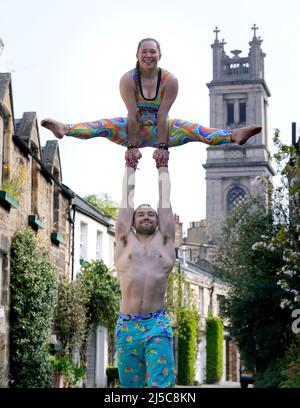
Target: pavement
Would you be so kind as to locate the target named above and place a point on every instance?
(225, 384)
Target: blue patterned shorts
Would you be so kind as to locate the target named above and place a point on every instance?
(145, 350)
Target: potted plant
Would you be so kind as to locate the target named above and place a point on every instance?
(61, 367)
(66, 373)
(12, 187)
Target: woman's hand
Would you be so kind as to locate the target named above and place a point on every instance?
(161, 157)
(135, 128)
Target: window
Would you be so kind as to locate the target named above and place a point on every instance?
(186, 294)
(234, 195)
(230, 114)
(83, 241)
(56, 203)
(242, 107)
(1, 277)
(99, 244)
(1, 148)
(200, 300)
(220, 305)
(34, 180)
(56, 208)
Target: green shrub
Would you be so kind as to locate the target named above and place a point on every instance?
(112, 374)
(187, 346)
(104, 300)
(293, 376)
(104, 293)
(70, 315)
(272, 376)
(32, 289)
(214, 349)
(292, 370)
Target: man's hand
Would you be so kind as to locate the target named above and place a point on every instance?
(161, 157)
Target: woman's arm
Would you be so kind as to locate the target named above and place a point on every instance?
(170, 94)
(127, 91)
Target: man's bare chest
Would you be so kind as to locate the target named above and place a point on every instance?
(135, 254)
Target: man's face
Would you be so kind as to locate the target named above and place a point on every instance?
(145, 220)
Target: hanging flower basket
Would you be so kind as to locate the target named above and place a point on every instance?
(56, 238)
(7, 200)
(35, 222)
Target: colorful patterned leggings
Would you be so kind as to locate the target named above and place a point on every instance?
(179, 131)
(145, 350)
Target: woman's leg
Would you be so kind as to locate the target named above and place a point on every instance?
(114, 130)
(181, 132)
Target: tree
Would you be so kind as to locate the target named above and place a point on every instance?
(104, 296)
(32, 293)
(259, 324)
(70, 315)
(103, 203)
(287, 213)
(260, 256)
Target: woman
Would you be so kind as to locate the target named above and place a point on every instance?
(148, 93)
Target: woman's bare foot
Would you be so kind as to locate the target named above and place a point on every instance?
(242, 135)
(59, 129)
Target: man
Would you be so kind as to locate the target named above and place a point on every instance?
(144, 257)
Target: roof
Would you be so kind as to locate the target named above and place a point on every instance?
(85, 208)
(202, 267)
(5, 80)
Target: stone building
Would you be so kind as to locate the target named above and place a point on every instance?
(238, 97)
(43, 202)
(197, 244)
(195, 261)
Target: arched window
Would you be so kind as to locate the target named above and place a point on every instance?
(234, 194)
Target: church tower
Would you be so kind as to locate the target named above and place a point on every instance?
(238, 97)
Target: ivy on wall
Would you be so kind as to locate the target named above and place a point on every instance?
(214, 348)
(187, 342)
(32, 293)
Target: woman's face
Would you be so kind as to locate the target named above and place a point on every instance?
(148, 54)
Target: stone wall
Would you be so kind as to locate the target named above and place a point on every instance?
(21, 157)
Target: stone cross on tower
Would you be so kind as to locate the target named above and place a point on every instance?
(216, 30)
(254, 28)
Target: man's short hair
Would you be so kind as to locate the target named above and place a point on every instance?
(144, 205)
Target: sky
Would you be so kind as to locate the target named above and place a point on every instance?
(67, 57)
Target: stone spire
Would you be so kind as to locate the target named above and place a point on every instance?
(218, 53)
(256, 56)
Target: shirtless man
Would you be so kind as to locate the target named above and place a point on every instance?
(144, 257)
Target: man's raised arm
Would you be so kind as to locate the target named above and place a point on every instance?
(126, 210)
(165, 214)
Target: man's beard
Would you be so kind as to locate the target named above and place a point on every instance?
(146, 229)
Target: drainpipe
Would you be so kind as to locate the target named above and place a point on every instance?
(72, 237)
